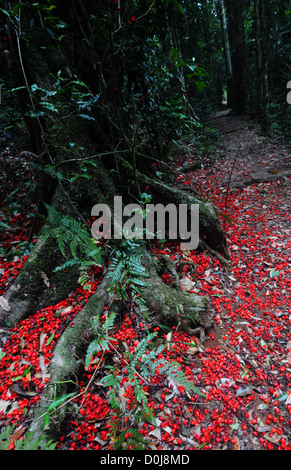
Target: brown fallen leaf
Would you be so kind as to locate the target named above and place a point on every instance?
(187, 284)
(192, 350)
(236, 445)
(4, 304)
(42, 338)
(275, 438)
(63, 311)
(17, 434)
(4, 404)
(45, 279)
(15, 388)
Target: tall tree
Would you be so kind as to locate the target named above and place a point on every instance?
(227, 54)
(235, 17)
(262, 58)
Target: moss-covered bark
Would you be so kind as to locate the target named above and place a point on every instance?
(210, 230)
(67, 361)
(171, 305)
(29, 291)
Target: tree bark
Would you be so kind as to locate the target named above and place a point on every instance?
(262, 60)
(235, 14)
(227, 55)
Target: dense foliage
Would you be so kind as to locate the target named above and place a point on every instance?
(143, 72)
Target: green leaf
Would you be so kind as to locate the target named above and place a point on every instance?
(56, 403)
(86, 116)
(23, 375)
(16, 89)
(5, 12)
(178, 6)
(34, 114)
(49, 106)
(235, 426)
(50, 339)
(34, 87)
(173, 53)
(283, 397)
(200, 85)
(26, 371)
(16, 9)
(45, 421)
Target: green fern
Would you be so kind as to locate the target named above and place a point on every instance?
(142, 363)
(74, 241)
(69, 233)
(68, 264)
(174, 371)
(28, 443)
(140, 351)
(128, 275)
(102, 341)
(129, 439)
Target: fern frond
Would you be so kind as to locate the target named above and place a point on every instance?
(130, 438)
(141, 349)
(95, 347)
(28, 443)
(109, 322)
(68, 264)
(174, 371)
(139, 282)
(72, 236)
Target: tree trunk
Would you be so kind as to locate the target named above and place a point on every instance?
(235, 14)
(227, 55)
(262, 60)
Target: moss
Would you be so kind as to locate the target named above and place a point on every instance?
(172, 307)
(210, 228)
(41, 264)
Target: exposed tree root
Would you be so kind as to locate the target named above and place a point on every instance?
(166, 304)
(171, 305)
(210, 228)
(67, 361)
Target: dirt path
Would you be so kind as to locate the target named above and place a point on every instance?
(250, 183)
(255, 159)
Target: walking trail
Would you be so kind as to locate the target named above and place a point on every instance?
(250, 350)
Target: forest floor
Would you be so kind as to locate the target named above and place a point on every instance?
(242, 368)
